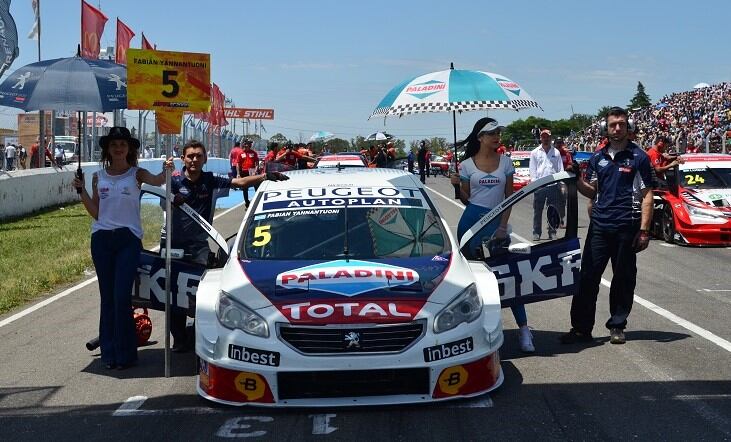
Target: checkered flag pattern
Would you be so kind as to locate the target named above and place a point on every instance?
(459, 106)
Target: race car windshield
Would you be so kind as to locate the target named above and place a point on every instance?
(382, 232)
(706, 178)
(521, 163)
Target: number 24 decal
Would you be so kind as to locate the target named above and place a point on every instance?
(692, 180)
(262, 236)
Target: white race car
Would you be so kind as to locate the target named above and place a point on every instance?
(346, 287)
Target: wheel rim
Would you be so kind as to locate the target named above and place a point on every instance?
(667, 224)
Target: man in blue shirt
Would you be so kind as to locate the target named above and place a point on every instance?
(618, 181)
(199, 190)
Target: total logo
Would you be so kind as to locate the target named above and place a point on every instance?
(509, 85)
(366, 311)
(346, 278)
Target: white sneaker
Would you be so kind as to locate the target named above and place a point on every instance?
(525, 339)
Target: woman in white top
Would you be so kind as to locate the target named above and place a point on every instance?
(485, 180)
(116, 240)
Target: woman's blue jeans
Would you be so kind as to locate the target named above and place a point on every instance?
(116, 254)
(472, 213)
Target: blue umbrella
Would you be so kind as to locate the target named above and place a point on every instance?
(67, 84)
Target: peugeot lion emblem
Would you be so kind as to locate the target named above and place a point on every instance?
(353, 340)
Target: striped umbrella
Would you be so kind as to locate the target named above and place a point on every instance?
(454, 90)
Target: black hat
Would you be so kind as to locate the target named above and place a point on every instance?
(119, 133)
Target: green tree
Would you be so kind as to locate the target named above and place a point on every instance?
(641, 99)
(278, 138)
(338, 145)
(602, 112)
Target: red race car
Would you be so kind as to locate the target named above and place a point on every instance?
(695, 207)
(439, 165)
(521, 162)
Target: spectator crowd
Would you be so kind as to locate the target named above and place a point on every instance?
(687, 121)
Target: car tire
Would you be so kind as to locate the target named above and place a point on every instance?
(668, 225)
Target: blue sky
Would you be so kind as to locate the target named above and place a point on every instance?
(324, 65)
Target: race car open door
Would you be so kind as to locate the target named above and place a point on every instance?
(530, 270)
(149, 287)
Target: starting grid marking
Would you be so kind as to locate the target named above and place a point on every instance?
(700, 331)
(257, 426)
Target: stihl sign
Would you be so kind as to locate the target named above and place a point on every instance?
(253, 114)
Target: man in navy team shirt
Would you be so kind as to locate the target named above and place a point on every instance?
(618, 180)
(199, 190)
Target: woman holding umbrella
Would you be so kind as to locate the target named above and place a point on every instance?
(485, 180)
(116, 240)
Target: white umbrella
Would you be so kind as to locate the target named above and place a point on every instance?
(379, 136)
(701, 85)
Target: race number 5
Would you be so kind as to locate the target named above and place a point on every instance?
(262, 236)
(168, 80)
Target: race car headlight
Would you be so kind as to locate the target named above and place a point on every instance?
(235, 315)
(465, 307)
(700, 211)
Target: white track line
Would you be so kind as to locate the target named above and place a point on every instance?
(71, 290)
(130, 406)
(700, 331)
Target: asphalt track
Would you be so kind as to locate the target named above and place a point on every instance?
(671, 381)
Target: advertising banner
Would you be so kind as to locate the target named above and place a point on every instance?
(252, 114)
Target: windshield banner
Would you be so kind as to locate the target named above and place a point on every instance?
(341, 196)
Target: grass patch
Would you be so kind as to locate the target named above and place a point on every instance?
(43, 251)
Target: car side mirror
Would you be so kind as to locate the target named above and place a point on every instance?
(671, 177)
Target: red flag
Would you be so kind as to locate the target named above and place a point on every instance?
(217, 117)
(92, 27)
(124, 35)
(146, 44)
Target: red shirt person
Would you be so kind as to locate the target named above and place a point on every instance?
(289, 157)
(248, 160)
(659, 160)
(233, 158)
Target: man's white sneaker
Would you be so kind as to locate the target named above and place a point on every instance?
(526, 340)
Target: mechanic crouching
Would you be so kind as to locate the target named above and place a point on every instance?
(199, 190)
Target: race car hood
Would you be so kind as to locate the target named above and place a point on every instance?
(346, 291)
(712, 197)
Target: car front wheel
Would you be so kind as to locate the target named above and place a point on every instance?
(668, 225)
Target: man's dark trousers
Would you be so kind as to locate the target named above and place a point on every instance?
(602, 245)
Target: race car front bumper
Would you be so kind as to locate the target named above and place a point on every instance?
(691, 231)
(239, 369)
(349, 387)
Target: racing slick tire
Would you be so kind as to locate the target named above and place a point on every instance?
(668, 225)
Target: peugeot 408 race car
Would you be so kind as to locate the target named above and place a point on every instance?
(695, 207)
(345, 286)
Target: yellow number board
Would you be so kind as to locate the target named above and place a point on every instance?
(170, 83)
